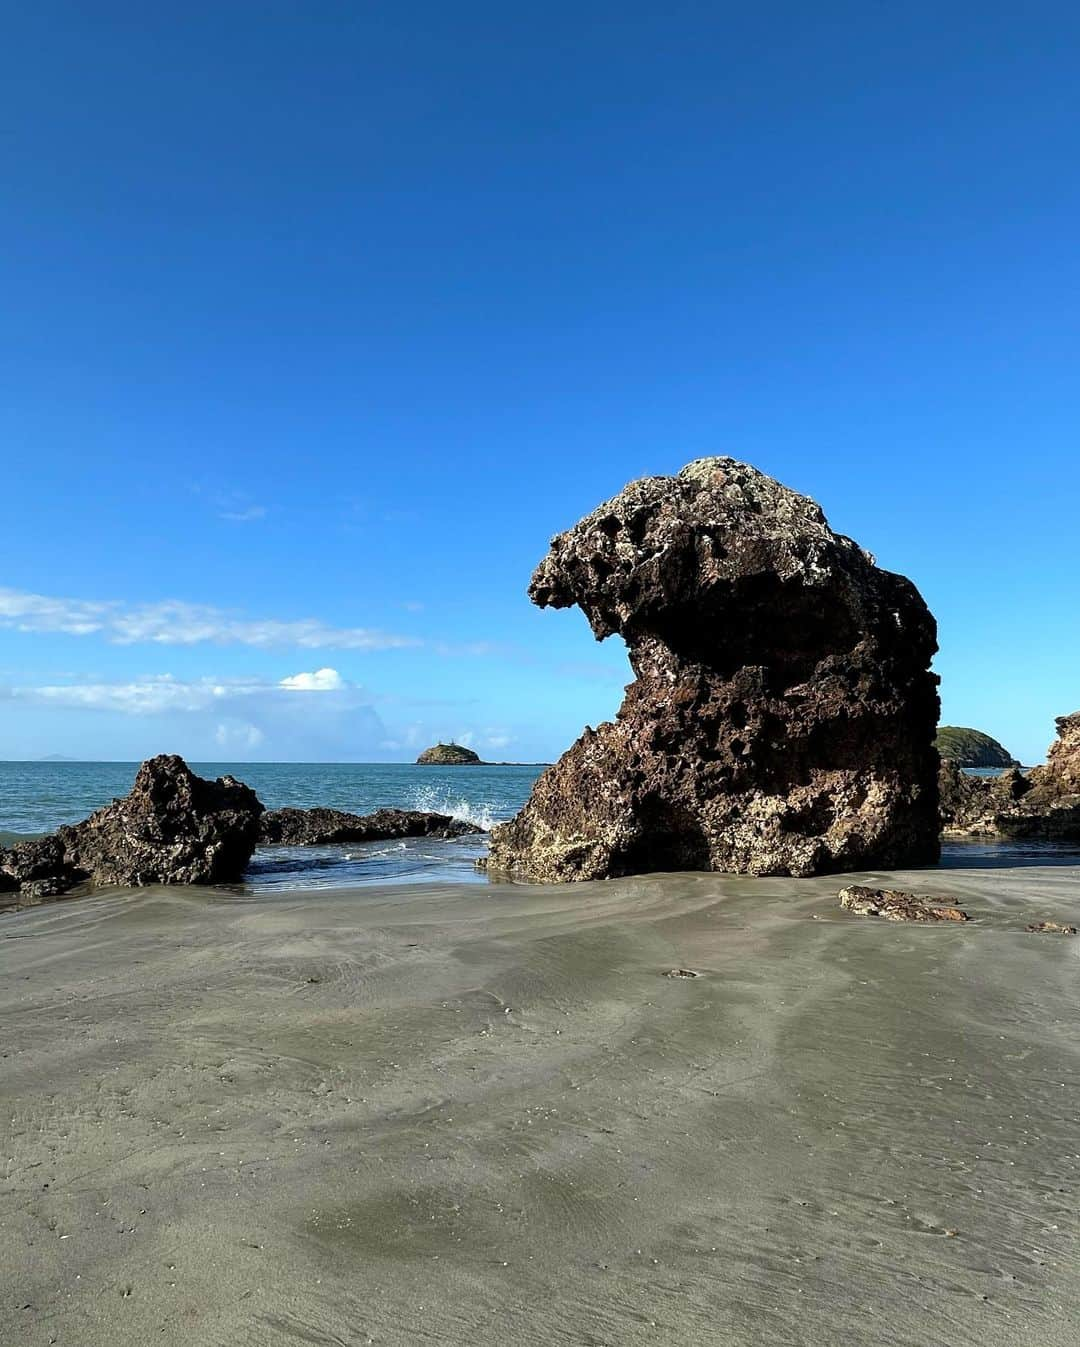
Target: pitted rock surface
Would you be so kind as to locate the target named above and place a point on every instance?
(311, 827)
(782, 717)
(173, 828)
(1041, 805)
(1059, 778)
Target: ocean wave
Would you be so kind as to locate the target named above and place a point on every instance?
(440, 800)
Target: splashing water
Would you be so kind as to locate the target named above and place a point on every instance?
(36, 797)
(440, 800)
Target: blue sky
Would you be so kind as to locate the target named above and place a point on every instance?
(319, 320)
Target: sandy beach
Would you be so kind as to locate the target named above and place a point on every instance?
(468, 1115)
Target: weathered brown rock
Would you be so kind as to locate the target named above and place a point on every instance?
(978, 806)
(1050, 928)
(37, 868)
(173, 828)
(895, 905)
(310, 827)
(783, 715)
(1043, 805)
(1060, 777)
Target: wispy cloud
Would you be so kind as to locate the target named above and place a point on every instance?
(160, 693)
(245, 515)
(174, 622)
(238, 737)
(236, 507)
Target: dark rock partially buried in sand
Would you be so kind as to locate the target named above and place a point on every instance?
(310, 827)
(173, 828)
(895, 905)
(783, 715)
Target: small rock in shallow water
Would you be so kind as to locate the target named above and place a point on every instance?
(895, 905)
(682, 973)
(1050, 928)
(315, 827)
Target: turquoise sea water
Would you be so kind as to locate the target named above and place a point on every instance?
(36, 797)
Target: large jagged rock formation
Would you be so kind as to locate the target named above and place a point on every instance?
(173, 828)
(782, 719)
(1043, 805)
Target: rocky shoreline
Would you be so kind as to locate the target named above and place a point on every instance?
(1043, 804)
(782, 721)
(175, 827)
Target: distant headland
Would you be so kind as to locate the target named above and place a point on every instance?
(972, 748)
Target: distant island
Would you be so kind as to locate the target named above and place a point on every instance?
(455, 755)
(449, 755)
(972, 748)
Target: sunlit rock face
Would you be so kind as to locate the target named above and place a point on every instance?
(782, 717)
(1060, 777)
(1044, 804)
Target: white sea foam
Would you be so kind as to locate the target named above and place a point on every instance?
(436, 800)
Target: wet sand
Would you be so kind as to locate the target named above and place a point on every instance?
(463, 1115)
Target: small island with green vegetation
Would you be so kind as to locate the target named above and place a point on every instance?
(449, 755)
(972, 748)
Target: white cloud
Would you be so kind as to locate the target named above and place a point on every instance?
(162, 692)
(174, 622)
(322, 680)
(146, 696)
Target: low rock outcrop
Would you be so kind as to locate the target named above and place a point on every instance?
(783, 714)
(173, 828)
(972, 748)
(310, 827)
(449, 755)
(971, 805)
(896, 905)
(1041, 805)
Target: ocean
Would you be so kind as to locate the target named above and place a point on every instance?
(36, 797)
